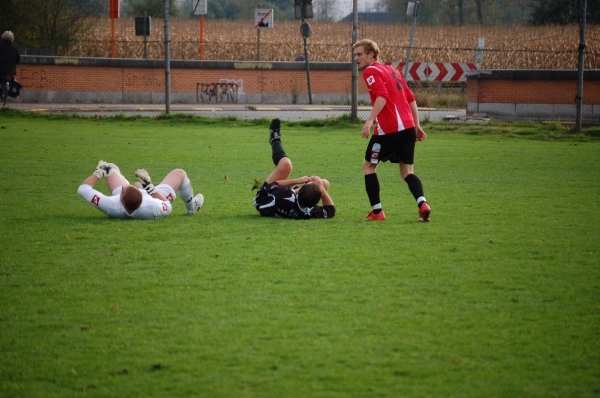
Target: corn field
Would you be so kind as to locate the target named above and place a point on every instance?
(506, 47)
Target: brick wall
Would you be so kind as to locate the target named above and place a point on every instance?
(49, 79)
(532, 94)
(512, 94)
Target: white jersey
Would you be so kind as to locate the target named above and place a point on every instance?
(150, 209)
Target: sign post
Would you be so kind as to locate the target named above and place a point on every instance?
(411, 10)
(143, 28)
(200, 8)
(263, 19)
(303, 9)
(114, 14)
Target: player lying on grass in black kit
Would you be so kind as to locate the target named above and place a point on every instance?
(279, 196)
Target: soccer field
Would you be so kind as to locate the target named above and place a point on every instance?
(498, 296)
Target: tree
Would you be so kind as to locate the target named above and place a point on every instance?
(468, 12)
(563, 12)
(47, 24)
(219, 10)
(14, 17)
(97, 8)
(429, 13)
(479, 12)
(153, 8)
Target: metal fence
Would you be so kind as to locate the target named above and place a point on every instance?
(444, 43)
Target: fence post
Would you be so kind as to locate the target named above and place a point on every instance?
(257, 38)
(167, 60)
(479, 52)
(145, 37)
(411, 9)
(581, 66)
(354, 107)
(306, 31)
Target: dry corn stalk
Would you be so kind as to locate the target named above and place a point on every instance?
(506, 47)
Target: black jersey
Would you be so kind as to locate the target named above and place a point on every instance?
(274, 200)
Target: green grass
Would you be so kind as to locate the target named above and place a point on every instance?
(498, 296)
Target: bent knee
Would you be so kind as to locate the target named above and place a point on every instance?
(286, 164)
(368, 167)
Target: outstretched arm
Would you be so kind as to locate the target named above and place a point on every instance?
(294, 181)
(91, 180)
(98, 174)
(92, 196)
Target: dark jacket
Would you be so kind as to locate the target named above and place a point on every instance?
(9, 58)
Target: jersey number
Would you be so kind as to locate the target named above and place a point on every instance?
(396, 76)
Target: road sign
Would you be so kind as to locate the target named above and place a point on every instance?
(436, 71)
(143, 26)
(305, 29)
(200, 7)
(263, 18)
(114, 9)
(303, 9)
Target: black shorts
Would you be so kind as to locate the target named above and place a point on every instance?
(262, 195)
(395, 148)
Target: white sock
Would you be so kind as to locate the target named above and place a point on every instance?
(186, 193)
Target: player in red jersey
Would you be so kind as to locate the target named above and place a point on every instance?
(396, 131)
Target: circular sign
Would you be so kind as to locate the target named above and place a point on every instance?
(305, 30)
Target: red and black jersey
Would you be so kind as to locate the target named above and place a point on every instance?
(387, 82)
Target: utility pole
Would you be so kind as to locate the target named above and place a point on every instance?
(580, 66)
(303, 9)
(167, 60)
(411, 9)
(354, 106)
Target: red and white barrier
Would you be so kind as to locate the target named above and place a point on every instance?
(436, 71)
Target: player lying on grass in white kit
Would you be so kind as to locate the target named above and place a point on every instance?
(144, 201)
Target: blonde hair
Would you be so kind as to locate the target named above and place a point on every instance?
(8, 35)
(369, 46)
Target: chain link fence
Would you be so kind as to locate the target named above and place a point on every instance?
(229, 66)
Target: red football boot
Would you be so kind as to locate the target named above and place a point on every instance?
(424, 213)
(375, 217)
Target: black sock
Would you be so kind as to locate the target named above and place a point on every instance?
(372, 186)
(278, 152)
(415, 187)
